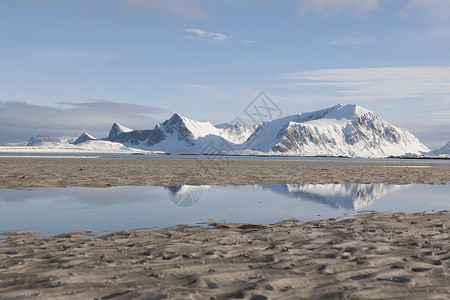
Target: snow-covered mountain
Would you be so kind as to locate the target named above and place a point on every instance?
(348, 196)
(341, 130)
(117, 132)
(182, 135)
(440, 152)
(85, 143)
(84, 138)
(41, 140)
(236, 133)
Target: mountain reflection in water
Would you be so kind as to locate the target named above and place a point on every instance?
(341, 196)
(57, 210)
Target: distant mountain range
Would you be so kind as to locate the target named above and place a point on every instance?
(341, 130)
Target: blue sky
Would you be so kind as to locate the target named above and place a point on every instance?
(73, 66)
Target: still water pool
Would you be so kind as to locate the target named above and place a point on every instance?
(51, 211)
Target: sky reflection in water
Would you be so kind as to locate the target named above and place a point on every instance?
(51, 211)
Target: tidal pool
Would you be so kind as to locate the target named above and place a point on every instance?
(51, 211)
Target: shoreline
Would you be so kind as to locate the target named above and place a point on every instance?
(371, 256)
(19, 172)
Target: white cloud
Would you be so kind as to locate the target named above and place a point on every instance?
(331, 8)
(360, 84)
(352, 41)
(213, 37)
(20, 120)
(189, 9)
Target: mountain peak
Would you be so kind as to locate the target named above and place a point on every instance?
(346, 111)
(87, 135)
(120, 128)
(116, 130)
(84, 138)
(340, 130)
(189, 126)
(176, 118)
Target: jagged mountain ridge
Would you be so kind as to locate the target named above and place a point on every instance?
(185, 136)
(341, 130)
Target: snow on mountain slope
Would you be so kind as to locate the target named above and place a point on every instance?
(440, 152)
(196, 128)
(347, 196)
(117, 130)
(85, 143)
(40, 140)
(236, 133)
(97, 146)
(341, 130)
(83, 138)
(91, 146)
(183, 135)
(180, 134)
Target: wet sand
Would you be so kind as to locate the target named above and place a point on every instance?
(374, 256)
(104, 172)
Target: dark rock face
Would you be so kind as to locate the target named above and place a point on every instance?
(341, 130)
(176, 125)
(83, 138)
(150, 137)
(116, 134)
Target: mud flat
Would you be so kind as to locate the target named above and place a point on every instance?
(102, 172)
(373, 256)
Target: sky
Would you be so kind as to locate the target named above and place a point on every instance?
(69, 66)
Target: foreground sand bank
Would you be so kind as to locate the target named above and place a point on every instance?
(374, 256)
(102, 172)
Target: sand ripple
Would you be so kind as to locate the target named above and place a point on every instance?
(374, 256)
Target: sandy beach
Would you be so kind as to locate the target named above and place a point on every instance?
(372, 256)
(104, 172)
